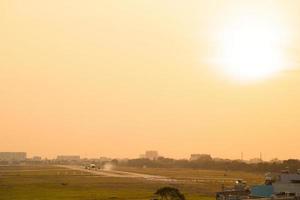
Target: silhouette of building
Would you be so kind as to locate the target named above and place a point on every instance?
(200, 157)
(13, 156)
(68, 158)
(36, 158)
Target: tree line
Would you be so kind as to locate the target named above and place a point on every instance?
(292, 164)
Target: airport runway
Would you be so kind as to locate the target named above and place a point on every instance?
(120, 174)
(124, 174)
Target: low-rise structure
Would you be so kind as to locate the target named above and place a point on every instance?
(13, 156)
(284, 186)
(36, 158)
(68, 158)
(287, 183)
(200, 157)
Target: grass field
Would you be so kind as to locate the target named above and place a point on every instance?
(200, 175)
(54, 183)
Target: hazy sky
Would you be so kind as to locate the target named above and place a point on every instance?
(116, 78)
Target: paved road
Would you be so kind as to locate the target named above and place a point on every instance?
(120, 174)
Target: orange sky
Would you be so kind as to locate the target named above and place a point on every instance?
(115, 78)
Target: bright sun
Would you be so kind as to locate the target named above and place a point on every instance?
(251, 49)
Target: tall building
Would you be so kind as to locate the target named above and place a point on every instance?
(13, 156)
(151, 155)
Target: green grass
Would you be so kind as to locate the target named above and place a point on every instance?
(53, 183)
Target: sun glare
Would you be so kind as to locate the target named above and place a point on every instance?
(251, 49)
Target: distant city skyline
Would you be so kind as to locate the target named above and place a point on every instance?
(152, 155)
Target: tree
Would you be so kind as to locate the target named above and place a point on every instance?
(169, 193)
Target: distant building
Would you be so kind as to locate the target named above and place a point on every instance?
(255, 160)
(200, 157)
(36, 158)
(68, 158)
(151, 155)
(13, 156)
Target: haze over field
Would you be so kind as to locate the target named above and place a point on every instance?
(117, 77)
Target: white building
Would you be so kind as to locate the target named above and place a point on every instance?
(288, 183)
